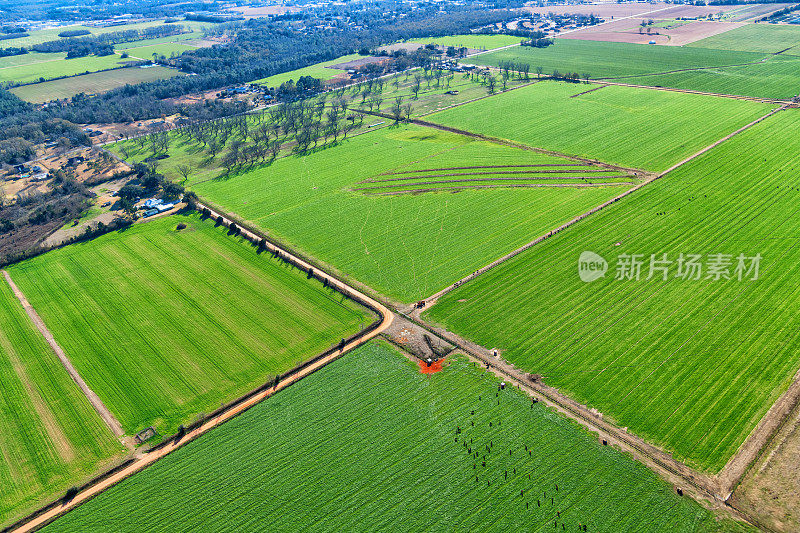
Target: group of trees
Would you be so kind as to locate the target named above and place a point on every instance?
(13, 51)
(147, 182)
(103, 44)
(509, 68)
(538, 42)
(16, 144)
(262, 48)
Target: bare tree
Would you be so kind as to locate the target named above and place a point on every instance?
(184, 171)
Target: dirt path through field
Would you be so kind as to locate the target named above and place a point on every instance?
(431, 300)
(110, 420)
(144, 460)
(689, 91)
(735, 469)
(700, 486)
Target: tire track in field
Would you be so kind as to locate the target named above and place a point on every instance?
(47, 514)
(109, 419)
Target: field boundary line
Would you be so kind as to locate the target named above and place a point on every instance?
(698, 485)
(431, 300)
(104, 481)
(672, 470)
(751, 449)
(763, 100)
(109, 419)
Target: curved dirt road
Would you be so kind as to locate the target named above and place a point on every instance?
(145, 460)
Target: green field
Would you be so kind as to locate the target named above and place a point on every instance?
(778, 77)
(638, 128)
(51, 34)
(96, 82)
(10, 62)
(58, 66)
(606, 60)
(404, 246)
(764, 38)
(50, 437)
(318, 70)
(692, 365)
(162, 49)
(369, 444)
(181, 38)
(474, 41)
(164, 325)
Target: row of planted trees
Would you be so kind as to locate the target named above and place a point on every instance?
(246, 140)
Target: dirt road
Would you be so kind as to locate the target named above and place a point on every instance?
(110, 420)
(143, 461)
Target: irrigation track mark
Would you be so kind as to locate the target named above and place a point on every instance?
(689, 91)
(110, 420)
(46, 515)
(431, 300)
(505, 142)
(687, 69)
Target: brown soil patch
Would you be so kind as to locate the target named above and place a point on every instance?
(769, 492)
(627, 31)
(605, 11)
(358, 63)
(430, 368)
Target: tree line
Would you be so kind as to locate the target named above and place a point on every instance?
(260, 48)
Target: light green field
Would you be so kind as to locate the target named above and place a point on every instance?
(51, 34)
(9, 62)
(182, 38)
(163, 49)
(96, 82)
(606, 59)
(59, 67)
(474, 41)
(370, 444)
(405, 246)
(165, 324)
(765, 38)
(50, 436)
(638, 128)
(692, 365)
(318, 70)
(778, 77)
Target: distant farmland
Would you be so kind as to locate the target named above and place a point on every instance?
(57, 66)
(319, 70)
(96, 82)
(50, 437)
(472, 41)
(166, 324)
(368, 443)
(606, 59)
(764, 38)
(638, 128)
(690, 365)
